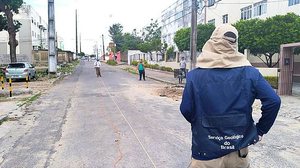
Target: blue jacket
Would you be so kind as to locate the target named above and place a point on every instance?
(218, 104)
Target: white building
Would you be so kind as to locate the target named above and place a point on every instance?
(32, 35)
(230, 11)
(178, 15)
(175, 17)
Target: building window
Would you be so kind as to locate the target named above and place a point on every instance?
(211, 2)
(293, 2)
(260, 8)
(246, 13)
(32, 33)
(225, 18)
(212, 21)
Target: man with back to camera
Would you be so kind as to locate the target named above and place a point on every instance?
(182, 65)
(217, 101)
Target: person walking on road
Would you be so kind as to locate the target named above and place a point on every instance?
(182, 65)
(217, 102)
(141, 69)
(97, 65)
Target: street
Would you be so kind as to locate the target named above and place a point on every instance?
(118, 121)
(112, 121)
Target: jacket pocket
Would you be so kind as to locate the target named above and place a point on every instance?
(231, 120)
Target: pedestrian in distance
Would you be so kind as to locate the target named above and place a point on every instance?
(97, 65)
(217, 102)
(141, 69)
(182, 65)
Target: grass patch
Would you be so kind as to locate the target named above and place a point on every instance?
(111, 62)
(68, 68)
(28, 101)
(273, 80)
(130, 70)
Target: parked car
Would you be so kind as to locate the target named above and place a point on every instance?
(20, 70)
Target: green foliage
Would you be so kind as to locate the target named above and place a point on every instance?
(182, 36)
(151, 39)
(111, 62)
(81, 54)
(170, 53)
(13, 6)
(182, 39)
(116, 34)
(68, 68)
(163, 68)
(131, 70)
(145, 47)
(130, 42)
(3, 22)
(204, 32)
(156, 66)
(41, 73)
(266, 36)
(273, 80)
(28, 101)
(135, 63)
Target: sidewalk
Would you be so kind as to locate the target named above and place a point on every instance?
(162, 76)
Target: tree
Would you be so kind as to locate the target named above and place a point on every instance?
(9, 7)
(116, 33)
(170, 53)
(182, 36)
(265, 36)
(152, 38)
(204, 32)
(81, 54)
(130, 41)
(182, 39)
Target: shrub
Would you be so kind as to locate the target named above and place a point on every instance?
(163, 68)
(135, 63)
(111, 62)
(273, 80)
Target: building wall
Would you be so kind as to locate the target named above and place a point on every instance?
(233, 9)
(40, 57)
(31, 35)
(177, 15)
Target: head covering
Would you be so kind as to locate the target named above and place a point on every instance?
(221, 50)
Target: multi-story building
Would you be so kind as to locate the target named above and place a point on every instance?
(32, 35)
(175, 17)
(178, 15)
(230, 11)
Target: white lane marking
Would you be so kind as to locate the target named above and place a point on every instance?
(129, 124)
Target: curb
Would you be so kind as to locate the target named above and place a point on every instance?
(3, 118)
(160, 80)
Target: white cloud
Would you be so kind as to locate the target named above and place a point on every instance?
(95, 17)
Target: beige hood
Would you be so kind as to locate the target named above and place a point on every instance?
(221, 50)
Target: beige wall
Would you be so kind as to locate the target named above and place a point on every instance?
(40, 57)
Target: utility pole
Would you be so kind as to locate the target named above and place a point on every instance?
(193, 42)
(76, 38)
(205, 10)
(103, 47)
(80, 43)
(52, 58)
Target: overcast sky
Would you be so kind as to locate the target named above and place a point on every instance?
(95, 17)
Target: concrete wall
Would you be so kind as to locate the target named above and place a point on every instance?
(25, 40)
(40, 57)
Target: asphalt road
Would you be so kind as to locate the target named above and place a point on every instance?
(113, 121)
(118, 121)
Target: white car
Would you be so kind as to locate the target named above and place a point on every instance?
(20, 70)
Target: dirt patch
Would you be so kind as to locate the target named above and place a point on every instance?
(170, 91)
